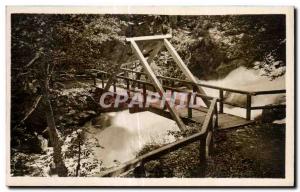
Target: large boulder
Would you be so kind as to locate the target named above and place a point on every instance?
(275, 113)
(270, 115)
(102, 121)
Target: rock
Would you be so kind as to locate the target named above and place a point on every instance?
(83, 115)
(98, 126)
(92, 112)
(43, 142)
(225, 68)
(94, 74)
(30, 144)
(71, 112)
(102, 121)
(270, 115)
(153, 169)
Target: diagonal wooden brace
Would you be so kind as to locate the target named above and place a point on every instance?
(157, 84)
(185, 70)
(118, 68)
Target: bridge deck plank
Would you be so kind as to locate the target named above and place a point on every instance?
(226, 121)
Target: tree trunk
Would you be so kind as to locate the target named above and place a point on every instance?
(61, 169)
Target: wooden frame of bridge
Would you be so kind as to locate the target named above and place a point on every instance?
(151, 75)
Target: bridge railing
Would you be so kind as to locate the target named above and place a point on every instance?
(169, 83)
(205, 136)
(221, 99)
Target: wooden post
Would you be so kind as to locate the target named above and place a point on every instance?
(190, 112)
(157, 84)
(248, 107)
(217, 118)
(149, 38)
(102, 80)
(128, 87)
(195, 97)
(114, 86)
(209, 144)
(202, 155)
(210, 139)
(144, 95)
(138, 85)
(185, 69)
(221, 102)
(94, 79)
(171, 99)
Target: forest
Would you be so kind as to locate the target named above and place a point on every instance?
(53, 57)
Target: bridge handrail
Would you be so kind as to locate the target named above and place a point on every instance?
(201, 135)
(221, 101)
(253, 93)
(192, 83)
(269, 92)
(249, 94)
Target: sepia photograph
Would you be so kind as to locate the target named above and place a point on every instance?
(146, 96)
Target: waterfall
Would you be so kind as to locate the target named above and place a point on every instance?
(247, 80)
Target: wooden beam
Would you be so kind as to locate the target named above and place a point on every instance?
(157, 84)
(269, 92)
(221, 97)
(185, 69)
(119, 68)
(187, 82)
(147, 38)
(208, 116)
(248, 107)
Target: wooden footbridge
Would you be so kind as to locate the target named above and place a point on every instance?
(209, 115)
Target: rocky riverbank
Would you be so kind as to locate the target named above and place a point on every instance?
(31, 154)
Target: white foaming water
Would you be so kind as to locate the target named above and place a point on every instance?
(129, 133)
(247, 80)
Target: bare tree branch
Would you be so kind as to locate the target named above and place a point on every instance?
(32, 109)
(36, 57)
